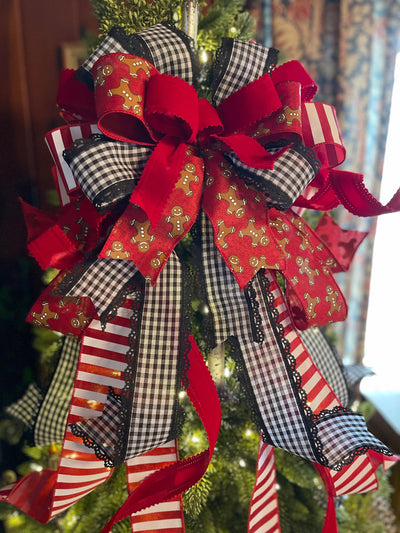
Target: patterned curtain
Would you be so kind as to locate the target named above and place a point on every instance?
(349, 48)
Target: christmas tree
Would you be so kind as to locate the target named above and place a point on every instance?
(219, 501)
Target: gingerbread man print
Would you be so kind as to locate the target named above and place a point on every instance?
(143, 237)
(42, 318)
(304, 268)
(187, 177)
(117, 251)
(177, 220)
(235, 204)
(135, 64)
(332, 298)
(130, 100)
(288, 116)
(257, 236)
(223, 232)
(101, 74)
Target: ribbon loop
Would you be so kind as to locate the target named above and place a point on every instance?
(172, 107)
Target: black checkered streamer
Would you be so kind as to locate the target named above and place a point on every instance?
(263, 369)
(106, 171)
(355, 373)
(291, 174)
(52, 417)
(226, 301)
(274, 392)
(238, 64)
(327, 361)
(158, 366)
(343, 434)
(27, 407)
(103, 281)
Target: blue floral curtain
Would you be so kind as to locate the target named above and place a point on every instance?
(349, 48)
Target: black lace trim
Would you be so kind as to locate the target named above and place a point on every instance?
(72, 277)
(90, 443)
(290, 363)
(79, 145)
(221, 61)
(255, 317)
(207, 329)
(132, 43)
(127, 393)
(114, 197)
(272, 60)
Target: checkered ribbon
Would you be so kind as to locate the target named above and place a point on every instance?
(326, 359)
(26, 408)
(52, 416)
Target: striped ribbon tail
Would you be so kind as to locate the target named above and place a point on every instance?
(264, 510)
(59, 140)
(164, 517)
(321, 131)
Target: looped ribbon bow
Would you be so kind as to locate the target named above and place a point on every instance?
(225, 150)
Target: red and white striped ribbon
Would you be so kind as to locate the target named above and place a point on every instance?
(321, 131)
(59, 140)
(264, 511)
(165, 517)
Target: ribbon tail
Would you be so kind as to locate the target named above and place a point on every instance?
(264, 511)
(159, 177)
(356, 198)
(330, 523)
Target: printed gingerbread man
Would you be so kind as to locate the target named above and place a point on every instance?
(117, 251)
(101, 74)
(135, 65)
(304, 268)
(288, 115)
(130, 100)
(80, 321)
(158, 260)
(235, 263)
(187, 177)
(235, 204)
(278, 224)
(332, 298)
(42, 318)
(177, 220)
(260, 262)
(143, 237)
(223, 232)
(311, 304)
(257, 236)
